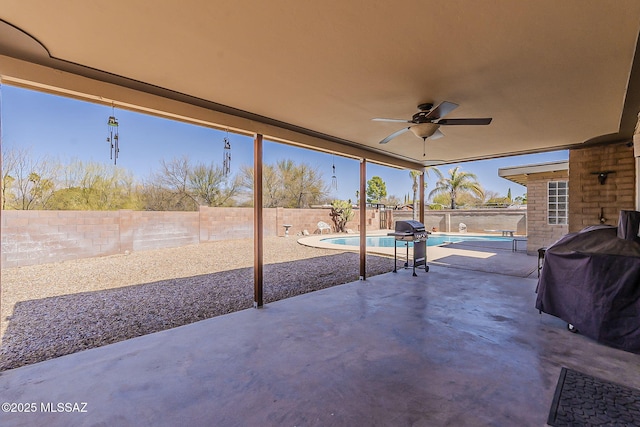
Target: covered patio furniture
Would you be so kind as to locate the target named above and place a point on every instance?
(591, 280)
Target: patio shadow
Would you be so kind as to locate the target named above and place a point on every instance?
(42, 329)
(490, 257)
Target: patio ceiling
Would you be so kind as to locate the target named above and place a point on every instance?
(551, 74)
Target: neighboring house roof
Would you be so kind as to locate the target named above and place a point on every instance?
(520, 174)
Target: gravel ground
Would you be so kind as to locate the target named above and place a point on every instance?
(55, 309)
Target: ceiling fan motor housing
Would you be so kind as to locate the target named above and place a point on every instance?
(421, 117)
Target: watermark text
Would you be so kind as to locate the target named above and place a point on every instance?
(24, 407)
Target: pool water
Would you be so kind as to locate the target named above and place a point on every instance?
(433, 240)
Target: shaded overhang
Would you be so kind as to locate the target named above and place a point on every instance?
(520, 174)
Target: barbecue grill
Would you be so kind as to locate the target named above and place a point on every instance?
(411, 231)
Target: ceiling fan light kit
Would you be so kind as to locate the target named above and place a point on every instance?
(424, 130)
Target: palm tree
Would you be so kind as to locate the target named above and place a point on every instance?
(415, 186)
(456, 183)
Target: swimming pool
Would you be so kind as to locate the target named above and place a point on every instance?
(433, 240)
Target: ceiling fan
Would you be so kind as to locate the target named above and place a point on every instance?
(426, 122)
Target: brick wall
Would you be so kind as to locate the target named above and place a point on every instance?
(588, 199)
(541, 233)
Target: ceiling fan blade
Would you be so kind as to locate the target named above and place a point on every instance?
(450, 122)
(441, 110)
(393, 135)
(437, 134)
(392, 120)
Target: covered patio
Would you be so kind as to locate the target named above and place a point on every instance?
(449, 347)
(454, 346)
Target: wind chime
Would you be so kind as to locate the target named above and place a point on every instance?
(334, 178)
(226, 162)
(112, 139)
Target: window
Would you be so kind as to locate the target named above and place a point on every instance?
(557, 202)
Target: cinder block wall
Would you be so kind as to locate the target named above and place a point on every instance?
(231, 223)
(307, 219)
(156, 230)
(588, 199)
(38, 237)
(541, 233)
(476, 220)
(301, 219)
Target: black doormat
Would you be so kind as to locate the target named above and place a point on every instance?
(583, 400)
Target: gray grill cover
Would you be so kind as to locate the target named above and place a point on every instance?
(591, 279)
(628, 226)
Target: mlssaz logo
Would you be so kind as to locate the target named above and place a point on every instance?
(64, 407)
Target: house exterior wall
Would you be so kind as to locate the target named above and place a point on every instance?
(589, 201)
(541, 233)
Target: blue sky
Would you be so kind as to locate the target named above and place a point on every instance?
(66, 129)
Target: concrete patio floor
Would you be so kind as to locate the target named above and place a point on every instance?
(450, 347)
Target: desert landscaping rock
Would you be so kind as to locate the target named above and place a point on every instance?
(50, 310)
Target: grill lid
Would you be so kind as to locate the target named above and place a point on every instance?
(409, 226)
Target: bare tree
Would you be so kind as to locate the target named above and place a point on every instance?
(174, 174)
(271, 195)
(302, 183)
(157, 198)
(287, 184)
(27, 182)
(9, 159)
(173, 178)
(180, 185)
(209, 186)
